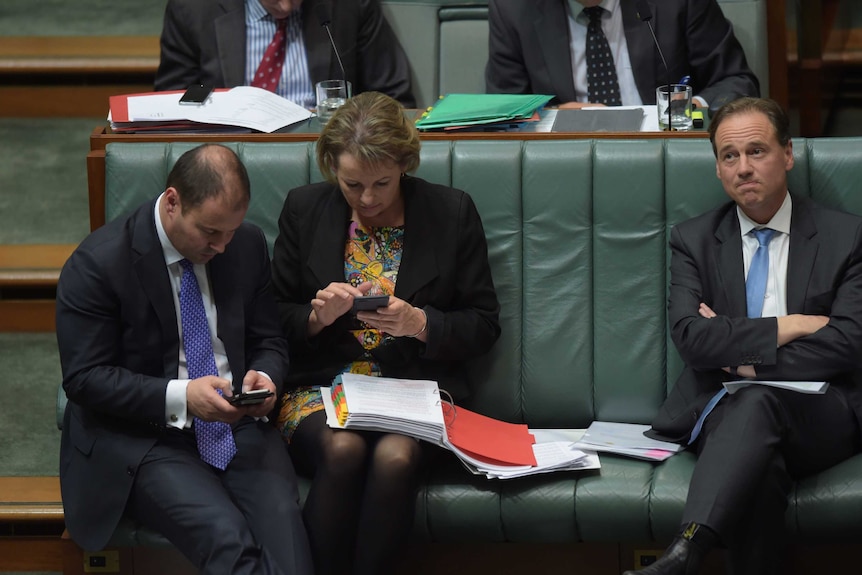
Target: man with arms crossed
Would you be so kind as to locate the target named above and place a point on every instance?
(161, 316)
(766, 287)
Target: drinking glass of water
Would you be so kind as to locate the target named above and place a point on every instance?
(674, 105)
(331, 95)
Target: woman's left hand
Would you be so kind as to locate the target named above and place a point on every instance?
(398, 319)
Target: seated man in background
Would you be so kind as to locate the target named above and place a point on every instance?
(548, 46)
(765, 287)
(161, 316)
(224, 43)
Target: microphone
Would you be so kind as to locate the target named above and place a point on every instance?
(644, 15)
(324, 17)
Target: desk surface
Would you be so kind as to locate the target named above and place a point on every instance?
(309, 130)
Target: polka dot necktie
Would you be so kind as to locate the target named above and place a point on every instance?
(268, 73)
(214, 438)
(604, 88)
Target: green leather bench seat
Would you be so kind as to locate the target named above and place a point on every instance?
(577, 233)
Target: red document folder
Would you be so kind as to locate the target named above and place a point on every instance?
(488, 438)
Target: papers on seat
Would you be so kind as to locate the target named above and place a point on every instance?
(484, 445)
(241, 107)
(626, 439)
(454, 111)
(814, 387)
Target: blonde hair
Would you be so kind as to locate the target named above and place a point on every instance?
(372, 128)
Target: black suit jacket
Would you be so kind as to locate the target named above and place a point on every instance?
(119, 346)
(529, 50)
(824, 277)
(204, 41)
(444, 270)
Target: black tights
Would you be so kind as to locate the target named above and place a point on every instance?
(359, 511)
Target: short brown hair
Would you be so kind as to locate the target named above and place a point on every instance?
(209, 171)
(769, 108)
(372, 128)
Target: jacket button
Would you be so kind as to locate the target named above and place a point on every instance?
(130, 471)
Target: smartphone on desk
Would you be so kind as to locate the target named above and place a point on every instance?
(250, 397)
(196, 95)
(370, 302)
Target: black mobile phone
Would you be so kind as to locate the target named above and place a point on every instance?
(370, 302)
(196, 95)
(250, 397)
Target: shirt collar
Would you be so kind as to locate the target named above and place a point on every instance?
(780, 222)
(172, 255)
(256, 11)
(577, 8)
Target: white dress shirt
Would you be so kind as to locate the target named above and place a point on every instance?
(612, 26)
(775, 302)
(176, 406)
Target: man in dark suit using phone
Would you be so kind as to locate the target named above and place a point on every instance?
(540, 47)
(766, 287)
(162, 316)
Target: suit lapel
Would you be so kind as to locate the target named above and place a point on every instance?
(317, 47)
(728, 257)
(641, 49)
(231, 39)
(801, 256)
(418, 261)
(149, 265)
(326, 257)
(551, 26)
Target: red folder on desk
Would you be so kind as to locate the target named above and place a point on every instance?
(488, 438)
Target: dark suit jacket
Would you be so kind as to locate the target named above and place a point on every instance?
(529, 50)
(824, 277)
(444, 270)
(204, 41)
(119, 346)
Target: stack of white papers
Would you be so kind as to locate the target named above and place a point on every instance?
(813, 387)
(626, 439)
(409, 407)
(243, 106)
(550, 456)
(485, 446)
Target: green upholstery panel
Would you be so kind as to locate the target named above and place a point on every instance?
(577, 234)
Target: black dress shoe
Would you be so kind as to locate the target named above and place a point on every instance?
(684, 555)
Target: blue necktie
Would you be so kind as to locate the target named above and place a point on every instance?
(758, 272)
(755, 291)
(214, 438)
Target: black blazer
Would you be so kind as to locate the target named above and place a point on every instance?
(529, 50)
(203, 41)
(444, 270)
(119, 346)
(824, 277)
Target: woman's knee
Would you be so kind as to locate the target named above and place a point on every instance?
(397, 454)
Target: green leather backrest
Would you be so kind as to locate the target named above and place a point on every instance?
(446, 42)
(577, 233)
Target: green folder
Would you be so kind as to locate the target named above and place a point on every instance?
(455, 110)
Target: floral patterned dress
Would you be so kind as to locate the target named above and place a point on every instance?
(371, 254)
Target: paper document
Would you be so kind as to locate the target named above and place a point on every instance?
(626, 439)
(243, 106)
(815, 387)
